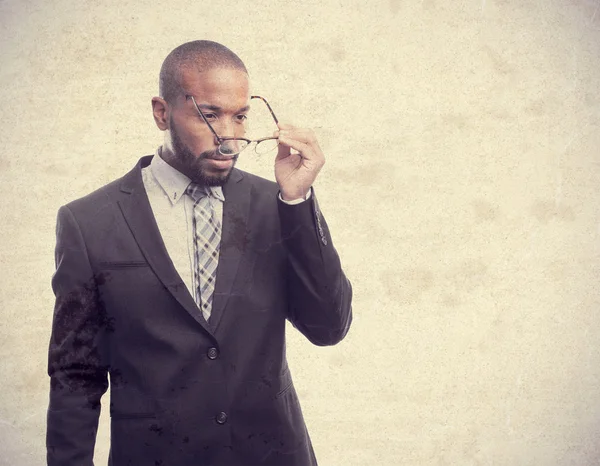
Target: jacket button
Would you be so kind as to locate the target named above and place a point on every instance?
(212, 353)
(221, 418)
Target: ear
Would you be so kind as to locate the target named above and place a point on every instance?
(160, 110)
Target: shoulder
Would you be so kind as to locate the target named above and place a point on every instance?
(108, 195)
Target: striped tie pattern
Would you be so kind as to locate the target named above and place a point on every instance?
(207, 242)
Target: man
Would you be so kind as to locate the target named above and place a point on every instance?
(176, 281)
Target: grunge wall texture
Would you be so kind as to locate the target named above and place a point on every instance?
(462, 187)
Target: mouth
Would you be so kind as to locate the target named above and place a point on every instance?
(221, 158)
(220, 163)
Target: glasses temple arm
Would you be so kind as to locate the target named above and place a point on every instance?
(204, 118)
(268, 106)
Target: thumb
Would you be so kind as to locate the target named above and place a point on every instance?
(283, 151)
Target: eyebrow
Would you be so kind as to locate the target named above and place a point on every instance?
(216, 108)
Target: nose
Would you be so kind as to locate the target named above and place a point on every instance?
(226, 128)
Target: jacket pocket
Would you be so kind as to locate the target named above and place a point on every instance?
(126, 416)
(106, 265)
(129, 403)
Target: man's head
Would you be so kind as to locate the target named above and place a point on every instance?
(218, 81)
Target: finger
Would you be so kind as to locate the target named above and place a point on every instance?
(304, 149)
(303, 134)
(306, 136)
(283, 127)
(283, 151)
(305, 143)
(287, 126)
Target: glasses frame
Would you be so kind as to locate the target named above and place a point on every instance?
(221, 140)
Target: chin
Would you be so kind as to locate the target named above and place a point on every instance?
(212, 179)
(199, 169)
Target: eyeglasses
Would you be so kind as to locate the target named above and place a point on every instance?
(233, 146)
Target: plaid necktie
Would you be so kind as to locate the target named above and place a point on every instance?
(207, 242)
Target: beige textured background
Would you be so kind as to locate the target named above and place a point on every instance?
(462, 189)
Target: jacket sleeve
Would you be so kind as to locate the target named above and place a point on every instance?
(77, 360)
(319, 292)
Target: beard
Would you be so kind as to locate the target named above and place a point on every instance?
(193, 166)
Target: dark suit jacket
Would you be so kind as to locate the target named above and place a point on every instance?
(184, 391)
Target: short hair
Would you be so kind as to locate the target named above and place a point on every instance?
(200, 54)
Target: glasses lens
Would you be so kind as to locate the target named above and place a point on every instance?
(266, 146)
(232, 146)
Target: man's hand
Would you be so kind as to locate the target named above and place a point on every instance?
(296, 172)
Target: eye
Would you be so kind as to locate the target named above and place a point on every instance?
(210, 116)
(241, 118)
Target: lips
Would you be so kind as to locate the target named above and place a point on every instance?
(220, 163)
(221, 159)
(216, 156)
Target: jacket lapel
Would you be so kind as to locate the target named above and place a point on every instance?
(234, 240)
(140, 219)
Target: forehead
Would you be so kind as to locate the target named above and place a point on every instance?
(223, 87)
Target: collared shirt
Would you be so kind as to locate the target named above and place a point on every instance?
(174, 210)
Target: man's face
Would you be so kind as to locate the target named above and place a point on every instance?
(222, 95)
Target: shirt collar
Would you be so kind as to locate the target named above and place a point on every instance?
(173, 182)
